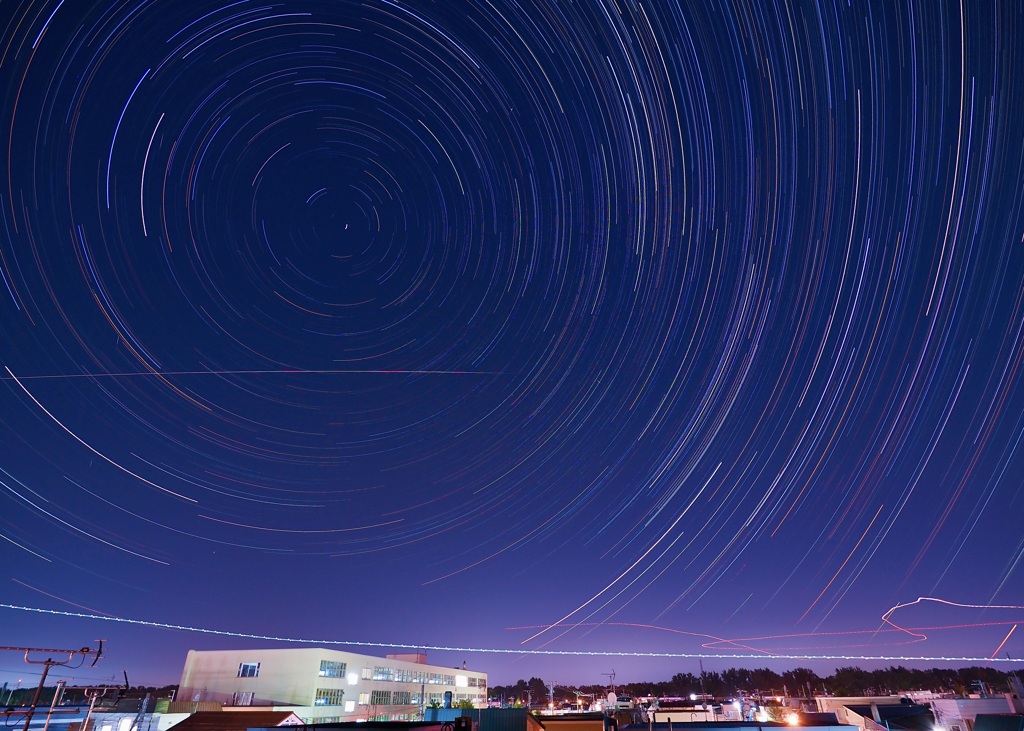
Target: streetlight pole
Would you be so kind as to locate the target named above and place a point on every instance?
(10, 692)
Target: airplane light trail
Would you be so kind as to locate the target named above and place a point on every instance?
(500, 650)
(253, 372)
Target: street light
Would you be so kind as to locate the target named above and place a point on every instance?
(10, 695)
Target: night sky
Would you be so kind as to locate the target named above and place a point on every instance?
(606, 325)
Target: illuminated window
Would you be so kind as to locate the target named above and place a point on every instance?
(382, 673)
(403, 675)
(380, 698)
(242, 698)
(329, 697)
(332, 669)
(350, 706)
(364, 699)
(248, 669)
(401, 698)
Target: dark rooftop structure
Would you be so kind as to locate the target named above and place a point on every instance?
(237, 720)
(907, 716)
(999, 722)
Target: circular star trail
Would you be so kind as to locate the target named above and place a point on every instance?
(690, 314)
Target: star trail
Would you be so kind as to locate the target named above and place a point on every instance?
(539, 331)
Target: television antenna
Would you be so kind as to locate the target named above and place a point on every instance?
(50, 662)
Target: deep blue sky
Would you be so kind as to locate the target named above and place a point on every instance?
(685, 327)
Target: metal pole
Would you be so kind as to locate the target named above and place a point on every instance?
(39, 689)
(88, 715)
(56, 695)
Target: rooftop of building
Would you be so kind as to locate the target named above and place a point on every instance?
(237, 720)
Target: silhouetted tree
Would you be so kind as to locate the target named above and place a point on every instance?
(683, 684)
(766, 680)
(800, 681)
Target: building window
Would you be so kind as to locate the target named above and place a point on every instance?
(401, 698)
(248, 669)
(367, 673)
(403, 676)
(381, 673)
(449, 680)
(329, 697)
(350, 706)
(419, 676)
(364, 699)
(380, 698)
(434, 678)
(332, 669)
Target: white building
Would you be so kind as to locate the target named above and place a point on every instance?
(959, 714)
(332, 685)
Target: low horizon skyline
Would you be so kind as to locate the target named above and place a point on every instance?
(625, 658)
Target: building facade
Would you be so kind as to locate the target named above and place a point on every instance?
(959, 714)
(331, 685)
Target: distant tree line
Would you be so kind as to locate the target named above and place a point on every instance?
(76, 696)
(846, 681)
